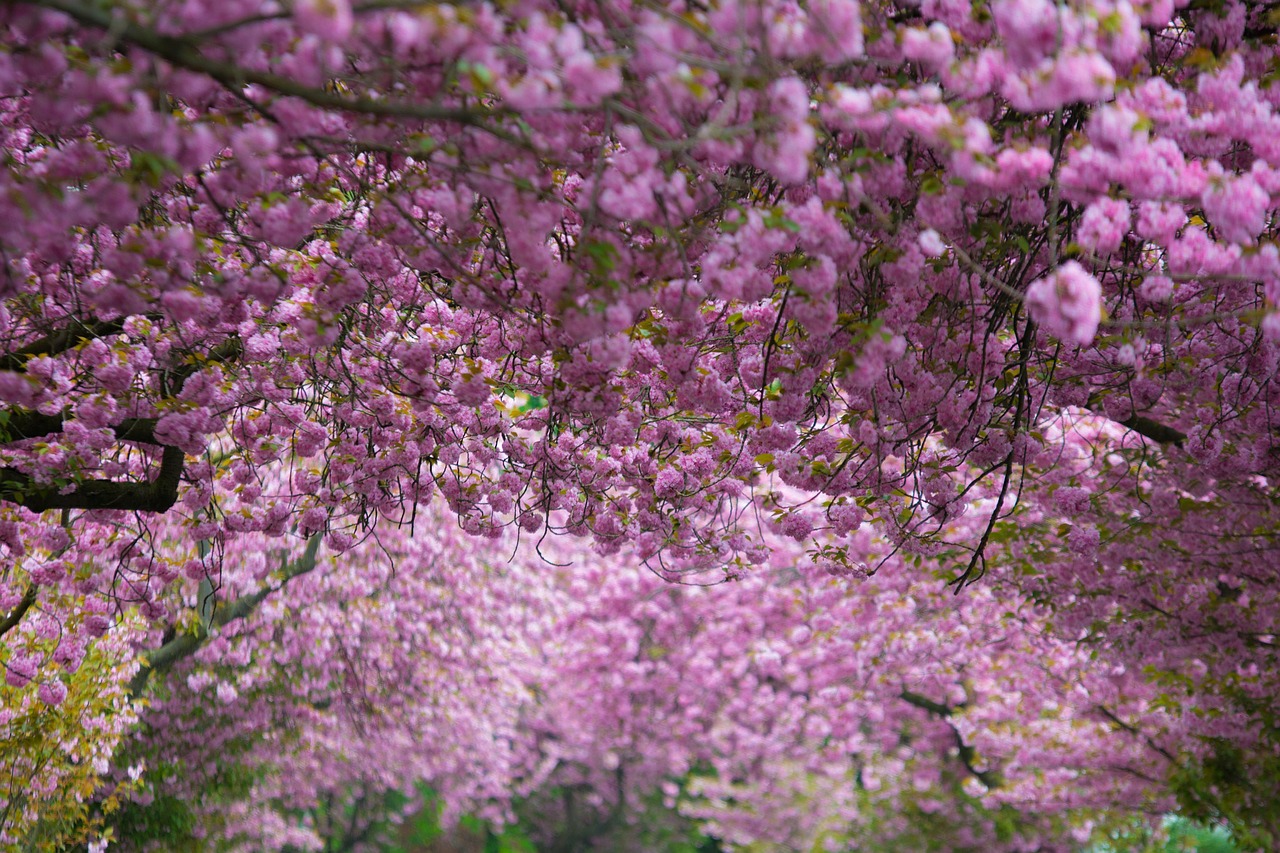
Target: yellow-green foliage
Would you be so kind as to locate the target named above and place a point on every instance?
(53, 759)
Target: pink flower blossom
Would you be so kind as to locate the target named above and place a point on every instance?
(52, 692)
(1104, 225)
(1067, 303)
(1271, 326)
(1237, 208)
(932, 47)
(931, 243)
(1156, 288)
(329, 19)
(20, 669)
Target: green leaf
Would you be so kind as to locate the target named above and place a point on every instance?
(604, 256)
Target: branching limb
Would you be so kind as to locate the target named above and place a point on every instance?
(938, 709)
(1146, 427)
(61, 341)
(1133, 730)
(184, 53)
(20, 424)
(1154, 430)
(15, 616)
(158, 495)
(967, 754)
(185, 645)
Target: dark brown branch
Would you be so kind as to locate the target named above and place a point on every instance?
(1154, 430)
(22, 424)
(1141, 424)
(1133, 730)
(227, 351)
(183, 53)
(936, 708)
(59, 342)
(15, 615)
(966, 753)
(158, 495)
(185, 645)
(19, 424)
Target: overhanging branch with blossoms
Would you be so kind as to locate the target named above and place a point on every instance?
(218, 615)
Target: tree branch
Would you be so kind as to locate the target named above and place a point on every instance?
(185, 645)
(967, 754)
(229, 350)
(1133, 730)
(20, 424)
(15, 615)
(183, 53)
(1146, 427)
(936, 708)
(158, 495)
(1154, 430)
(59, 342)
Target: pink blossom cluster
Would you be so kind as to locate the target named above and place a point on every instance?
(1067, 303)
(779, 709)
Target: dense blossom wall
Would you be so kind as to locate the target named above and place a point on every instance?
(789, 709)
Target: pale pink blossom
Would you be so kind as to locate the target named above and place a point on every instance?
(1067, 303)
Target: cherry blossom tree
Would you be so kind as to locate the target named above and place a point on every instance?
(607, 707)
(995, 281)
